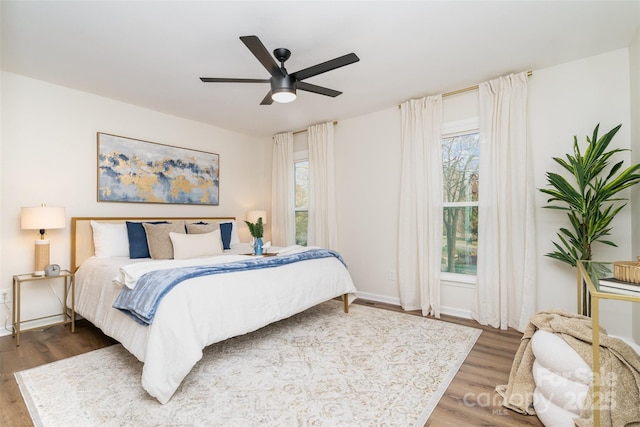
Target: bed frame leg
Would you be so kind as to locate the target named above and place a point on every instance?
(345, 297)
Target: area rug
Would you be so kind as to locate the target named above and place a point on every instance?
(321, 367)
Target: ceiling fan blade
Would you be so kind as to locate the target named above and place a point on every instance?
(317, 89)
(267, 99)
(231, 80)
(332, 64)
(259, 51)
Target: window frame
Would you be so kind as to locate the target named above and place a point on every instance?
(299, 157)
(449, 130)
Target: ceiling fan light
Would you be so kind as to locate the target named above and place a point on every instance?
(284, 95)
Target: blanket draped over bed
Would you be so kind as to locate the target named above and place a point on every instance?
(141, 302)
(620, 365)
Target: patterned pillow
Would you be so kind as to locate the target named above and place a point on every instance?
(160, 246)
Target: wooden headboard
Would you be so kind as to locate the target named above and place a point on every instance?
(82, 234)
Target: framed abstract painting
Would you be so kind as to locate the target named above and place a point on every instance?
(131, 170)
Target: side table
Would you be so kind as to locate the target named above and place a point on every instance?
(589, 275)
(68, 313)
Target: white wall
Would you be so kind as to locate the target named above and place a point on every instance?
(49, 156)
(367, 181)
(5, 313)
(564, 100)
(634, 67)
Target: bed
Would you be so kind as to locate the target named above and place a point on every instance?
(201, 310)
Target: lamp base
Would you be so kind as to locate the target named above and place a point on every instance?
(41, 257)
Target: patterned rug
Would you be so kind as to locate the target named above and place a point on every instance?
(321, 367)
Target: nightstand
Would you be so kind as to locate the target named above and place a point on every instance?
(68, 313)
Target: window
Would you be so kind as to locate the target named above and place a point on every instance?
(301, 176)
(461, 179)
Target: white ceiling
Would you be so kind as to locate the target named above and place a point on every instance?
(152, 53)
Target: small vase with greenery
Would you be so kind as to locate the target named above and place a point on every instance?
(257, 232)
(590, 200)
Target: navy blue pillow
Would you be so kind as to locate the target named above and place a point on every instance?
(138, 246)
(225, 233)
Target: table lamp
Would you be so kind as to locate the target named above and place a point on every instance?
(42, 218)
(252, 216)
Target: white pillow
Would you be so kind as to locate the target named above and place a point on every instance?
(110, 240)
(567, 394)
(196, 245)
(235, 237)
(552, 352)
(550, 414)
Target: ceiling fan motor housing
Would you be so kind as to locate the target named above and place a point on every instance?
(283, 84)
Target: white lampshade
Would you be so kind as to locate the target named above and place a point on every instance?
(42, 218)
(252, 216)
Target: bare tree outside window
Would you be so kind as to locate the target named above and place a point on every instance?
(302, 201)
(461, 179)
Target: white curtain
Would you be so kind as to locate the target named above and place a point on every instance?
(323, 228)
(282, 191)
(505, 291)
(420, 213)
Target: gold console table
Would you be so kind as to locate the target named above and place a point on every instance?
(589, 275)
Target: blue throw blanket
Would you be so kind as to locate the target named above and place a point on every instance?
(142, 302)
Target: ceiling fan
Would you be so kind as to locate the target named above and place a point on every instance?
(283, 84)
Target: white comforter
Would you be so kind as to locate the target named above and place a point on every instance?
(203, 310)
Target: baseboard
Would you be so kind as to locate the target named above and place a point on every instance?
(379, 298)
(451, 311)
(7, 326)
(4, 332)
(457, 312)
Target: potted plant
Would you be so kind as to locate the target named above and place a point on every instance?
(590, 199)
(257, 232)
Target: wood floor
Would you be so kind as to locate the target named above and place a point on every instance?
(470, 399)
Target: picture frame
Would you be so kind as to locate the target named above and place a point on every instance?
(137, 171)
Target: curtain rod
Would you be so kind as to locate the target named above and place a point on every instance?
(470, 88)
(304, 130)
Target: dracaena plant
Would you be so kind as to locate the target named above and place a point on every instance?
(257, 229)
(589, 196)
